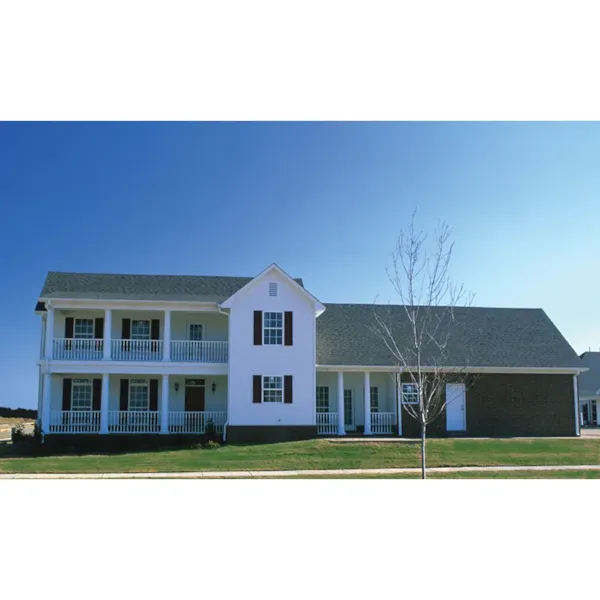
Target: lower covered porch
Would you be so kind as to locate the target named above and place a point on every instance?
(343, 408)
(131, 403)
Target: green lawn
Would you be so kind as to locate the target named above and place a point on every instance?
(319, 454)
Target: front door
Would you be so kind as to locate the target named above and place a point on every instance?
(349, 423)
(455, 407)
(194, 398)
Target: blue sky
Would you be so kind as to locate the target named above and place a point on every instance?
(325, 201)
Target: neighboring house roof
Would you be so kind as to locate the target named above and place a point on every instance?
(185, 288)
(589, 382)
(483, 337)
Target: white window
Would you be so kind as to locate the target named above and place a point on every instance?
(374, 399)
(139, 394)
(140, 329)
(195, 332)
(273, 328)
(273, 289)
(322, 399)
(84, 329)
(410, 395)
(81, 394)
(272, 388)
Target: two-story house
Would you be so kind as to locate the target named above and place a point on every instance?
(262, 359)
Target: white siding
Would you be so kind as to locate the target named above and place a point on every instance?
(216, 401)
(214, 325)
(246, 359)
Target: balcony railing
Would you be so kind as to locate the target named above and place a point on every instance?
(74, 421)
(140, 350)
(139, 421)
(77, 349)
(196, 422)
(382, 422)
(137, 349)
(206, 352)
(88, 421)
(327, 423)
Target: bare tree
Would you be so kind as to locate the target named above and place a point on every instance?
(421, 332)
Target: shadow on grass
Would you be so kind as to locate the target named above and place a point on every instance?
(29, 449)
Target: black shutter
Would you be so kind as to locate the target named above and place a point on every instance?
(287, 389)
(288, 328)
(124, 396)
(153, 395)
(257, 389)
(258, 328)
(99, 328)
(66, 397)
(69, 326)
(96, 394)
(126, 329)
(154, 329)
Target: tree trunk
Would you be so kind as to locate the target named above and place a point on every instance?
(423, 462)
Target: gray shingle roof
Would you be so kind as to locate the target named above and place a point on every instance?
(142, 287)
(484, 337)
(589, 382)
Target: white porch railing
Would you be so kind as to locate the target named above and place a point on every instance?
(139, 421)
(137, 349)
(382, 422)
(77, 349)
(207, 352)
(195, 422)
(74, 421)
(327, 423)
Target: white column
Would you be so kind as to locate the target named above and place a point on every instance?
(43, 337)
(367, 403)
(107, 333)
(167, 336)
(164, 405)
(399, 400)
(340, 403)
(46, 402)
(104, 400)
(49, 331)
(576, 402)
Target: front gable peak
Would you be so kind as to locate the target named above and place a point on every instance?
(269, 271)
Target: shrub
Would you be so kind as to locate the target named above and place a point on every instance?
(18, 433)
(211, 444)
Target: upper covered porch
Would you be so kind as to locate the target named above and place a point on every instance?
(90, 334)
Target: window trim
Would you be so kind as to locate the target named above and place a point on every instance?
(322, 387)
(262, 396)
(264, 327)
(404, 394)
(88, 383)
(75, 319)
(149, 321)
(138, 384)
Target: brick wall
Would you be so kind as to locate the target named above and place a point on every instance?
(511, 405)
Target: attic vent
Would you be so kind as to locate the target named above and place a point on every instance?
(272, 289)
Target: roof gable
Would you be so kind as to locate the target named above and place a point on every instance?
(319, 308)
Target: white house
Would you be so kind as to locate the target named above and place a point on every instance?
(262, 359)
(589, 390)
